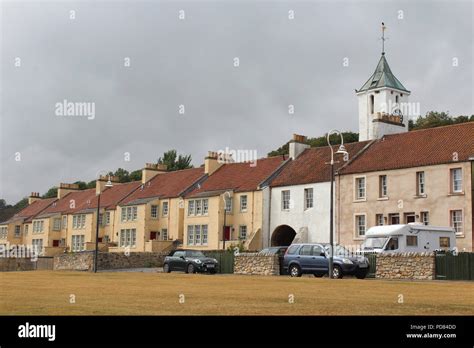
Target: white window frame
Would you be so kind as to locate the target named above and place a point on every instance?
(57, 224)
(383, 189)
(243, 203)
(3, 232)
(425, 218)
(64, 222)
(358, 188)
(420, 183)
(228, 204)
(456, 182)
(190, 234)
(457, 222)
(78, 243)
(379, 221)
(164, 233)
(357, 225)
(128, 238)
(129, 213)
(191, 208)
(154, 211)
(204, 235)
(243, 232)
(205, 206)
(17, 231)
(165, 208)
(107, 218)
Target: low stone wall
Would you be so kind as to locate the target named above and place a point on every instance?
(13, 264)
(84, 261)
(252, 263)
(406, 266)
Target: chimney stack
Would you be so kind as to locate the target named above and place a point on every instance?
(151, 170)
(34, 196)
(211, 164)
(297, 145)
(100, 183)
(64, 189)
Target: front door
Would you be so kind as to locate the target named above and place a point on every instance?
(56, 243)
(152, 235)
(227, 233)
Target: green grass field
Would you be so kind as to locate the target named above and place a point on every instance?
(48, 292)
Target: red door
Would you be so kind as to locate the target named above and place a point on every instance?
(55, 243)
(227, 233)
(152, 235)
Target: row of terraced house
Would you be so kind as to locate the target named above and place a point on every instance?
(390, 176)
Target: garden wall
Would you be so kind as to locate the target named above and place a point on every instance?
(406, 266)
(252, 263)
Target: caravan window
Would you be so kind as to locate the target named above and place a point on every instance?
(374, 243)
(444, 242)
(412, 240)
(392, 244)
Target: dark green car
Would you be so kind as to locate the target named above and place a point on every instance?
(189, 261)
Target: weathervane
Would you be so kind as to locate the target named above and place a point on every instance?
(383, 38)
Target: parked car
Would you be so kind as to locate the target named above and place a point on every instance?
(189, 261)
(314, 259)
(413, 237)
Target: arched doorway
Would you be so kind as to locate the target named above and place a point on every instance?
(283, 236)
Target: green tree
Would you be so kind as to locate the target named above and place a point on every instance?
(82, 185)
(136, 175)
(51, 193)
(175, 162)
(122, 175)
(437, 119)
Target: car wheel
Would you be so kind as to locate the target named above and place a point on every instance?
(361, 275)
(190, 268)
(295, 271)
(212, 271)
(166, 268)
(319, 275)
(336, 272)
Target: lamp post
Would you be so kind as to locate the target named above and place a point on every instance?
(341, 150)
(96, 252)
(226, 195)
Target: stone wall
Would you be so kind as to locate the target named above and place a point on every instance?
(252, 263)
(406, 266)
(12, 264)
(84, 261)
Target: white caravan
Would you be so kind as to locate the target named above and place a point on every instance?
(414, 237)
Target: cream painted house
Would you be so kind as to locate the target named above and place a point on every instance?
(421, 176)
(233, 192)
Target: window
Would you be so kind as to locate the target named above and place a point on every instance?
(38, 226)
(242, 232)
(228, 204)
(409, 217)
(420, 183)
(164, 233)
(25, 230)
(101, 219)
(456, 221)
(360, 225)
(57, 224)
(308, 198)
(78, 221)
(3, 232)
(285, 200)
(64, 224)
(243, 203)
(382, 186)
(198, 207)
(456, 180)
(204, 234)
(38, 245)
(318, 250)
(360, 188)
(372, 101)
(205, 206)
(190, 234)
(154, 212)
(379, 219)
(394, 219)
(425, 218)
(392, 244)
(129, 214)
(17, 231)
(197, 235)
(107, 218)
(165, 208)
(412, 240)
(191, 208)
(78, 243)
(306, 250)
(128, 237)
(444, 242)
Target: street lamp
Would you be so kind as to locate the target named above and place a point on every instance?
(342, 150)
(226, 195)
(96, 252)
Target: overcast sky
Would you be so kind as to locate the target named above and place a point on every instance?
(190, 62)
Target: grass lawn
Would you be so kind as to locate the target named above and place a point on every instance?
(48, 292)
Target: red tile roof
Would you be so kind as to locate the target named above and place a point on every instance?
(416, 148)
(312, 165)
(112, 196)
(167, 185)
(33, 209)
(239, 177)
(72, 202)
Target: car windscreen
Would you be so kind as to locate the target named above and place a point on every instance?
(374, 243)
(194, 253)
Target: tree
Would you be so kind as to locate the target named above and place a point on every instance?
(175, 162)
(51, 193)
(122, 175)
(437, 119)
(3, 203)
(82, 185)
(136, 175)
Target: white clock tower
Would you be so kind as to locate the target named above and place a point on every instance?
(381, 102)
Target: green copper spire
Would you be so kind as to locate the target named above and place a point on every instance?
(382, 77)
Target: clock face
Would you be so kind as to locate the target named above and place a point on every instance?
(398, 112)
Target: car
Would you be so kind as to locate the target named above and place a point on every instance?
(189, 261)
(308, 258)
